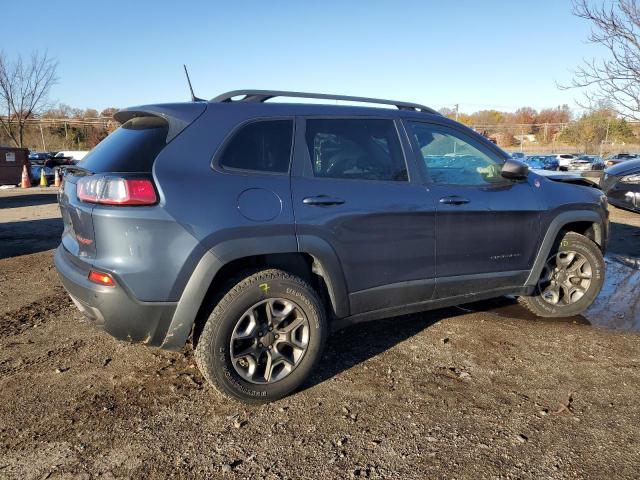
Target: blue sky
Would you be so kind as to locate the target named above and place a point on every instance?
(480, 54)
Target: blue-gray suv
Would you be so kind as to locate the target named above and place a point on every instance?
(252, 228)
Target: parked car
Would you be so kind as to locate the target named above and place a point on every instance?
(533, 162)
(39, 156)
(621, 183)
(35, 170)
(619, 158)
(542, 162)
(564, 160)
(71, 156)
(552, 163)
(587, 162)
(254, 228)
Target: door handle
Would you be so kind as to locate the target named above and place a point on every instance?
(322, 200)
(453, 200)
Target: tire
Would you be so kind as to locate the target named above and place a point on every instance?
(568, 244)
(275, 290)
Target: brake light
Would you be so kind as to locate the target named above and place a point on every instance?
(101, 278)
(116, 190)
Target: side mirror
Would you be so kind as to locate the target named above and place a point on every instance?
(514, 170)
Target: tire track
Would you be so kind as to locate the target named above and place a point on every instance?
(36, 313)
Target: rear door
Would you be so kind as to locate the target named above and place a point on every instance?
(487, 226)
(353, 190)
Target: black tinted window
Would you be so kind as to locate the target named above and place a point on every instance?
(131, 148)
(263, 146)
(366, 149)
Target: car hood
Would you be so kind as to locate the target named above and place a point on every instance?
(567, 177)
(624, 168)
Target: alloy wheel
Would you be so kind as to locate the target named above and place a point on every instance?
(269, 340)
(565, 278)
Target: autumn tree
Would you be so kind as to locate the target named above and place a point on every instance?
(593, 128)
(108, 112)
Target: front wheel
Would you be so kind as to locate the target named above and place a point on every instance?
(263, 338)
(571, 278)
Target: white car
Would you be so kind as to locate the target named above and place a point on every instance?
(564, 160)
(75, 155)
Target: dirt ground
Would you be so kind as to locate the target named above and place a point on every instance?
(477, 391)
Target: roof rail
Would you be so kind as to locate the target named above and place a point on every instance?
(259, 96)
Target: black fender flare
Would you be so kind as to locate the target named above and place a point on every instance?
(325, 264)
(554, 229)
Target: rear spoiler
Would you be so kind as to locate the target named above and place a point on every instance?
(178, 115)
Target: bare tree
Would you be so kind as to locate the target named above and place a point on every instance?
(24, 91)
(615, 80)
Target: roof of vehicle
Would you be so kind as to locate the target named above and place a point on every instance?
(261, 96)
(624, 168)
(181, 114)
(320, 109)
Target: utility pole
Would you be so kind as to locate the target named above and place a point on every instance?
(455, 149)
(606, 136)
(42, 136)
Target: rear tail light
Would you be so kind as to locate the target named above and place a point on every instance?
(107, 190)
(101, 278)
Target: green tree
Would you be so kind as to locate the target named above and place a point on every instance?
(595, 127)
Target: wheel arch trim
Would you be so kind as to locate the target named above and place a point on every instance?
(556, 225)
(325, 264)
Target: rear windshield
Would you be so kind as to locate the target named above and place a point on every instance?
(131, 148)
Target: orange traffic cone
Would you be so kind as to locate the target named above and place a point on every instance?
(56, 179)
(26, 181)
(43, 179)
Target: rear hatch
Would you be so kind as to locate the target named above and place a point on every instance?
(122, 159)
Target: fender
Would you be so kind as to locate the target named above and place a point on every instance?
(325, 264)
(554, 228)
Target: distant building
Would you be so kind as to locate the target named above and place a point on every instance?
(528, 138)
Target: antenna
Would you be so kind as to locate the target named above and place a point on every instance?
(193, 97)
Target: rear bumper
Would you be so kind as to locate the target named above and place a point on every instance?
(113, 309)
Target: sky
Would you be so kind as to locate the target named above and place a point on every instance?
(479, 54)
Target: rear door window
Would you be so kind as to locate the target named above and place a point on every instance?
(131, 148)
(262, 146)
(360, 149)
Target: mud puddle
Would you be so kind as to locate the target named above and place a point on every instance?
(617, 307)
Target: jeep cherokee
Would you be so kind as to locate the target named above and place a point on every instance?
(253, 227)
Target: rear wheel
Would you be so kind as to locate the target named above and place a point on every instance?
(570, 280)
(263, 338)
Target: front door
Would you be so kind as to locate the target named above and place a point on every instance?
(353, 190)
(487, 226)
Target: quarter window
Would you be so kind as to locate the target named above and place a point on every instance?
(452, 160)
(366, 149)
(263, 146)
